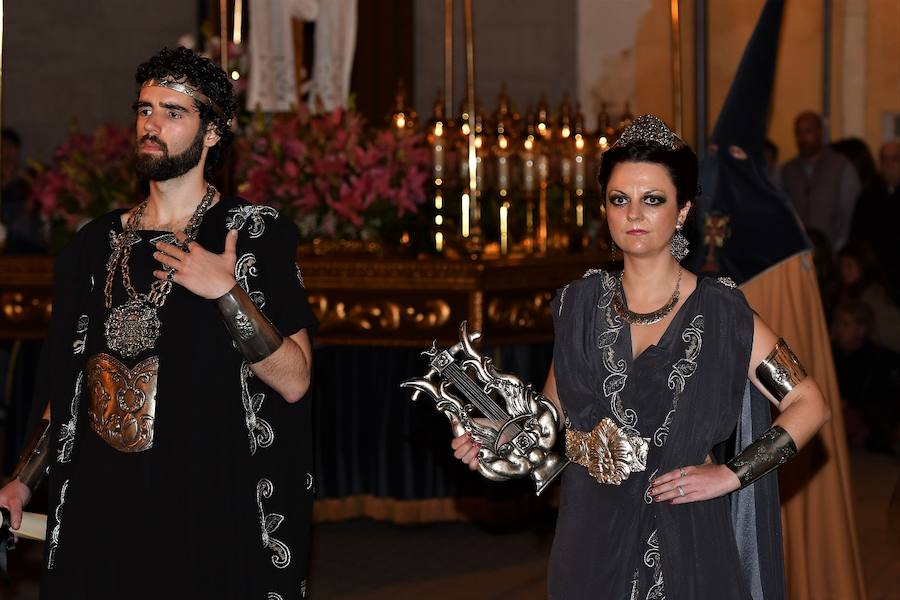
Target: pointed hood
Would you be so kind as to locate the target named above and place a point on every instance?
(743, 224)
(743, 119)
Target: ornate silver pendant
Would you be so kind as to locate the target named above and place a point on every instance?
(132, 328)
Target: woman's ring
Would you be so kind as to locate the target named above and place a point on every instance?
(170, 275)
(680, 491)
(683, 472)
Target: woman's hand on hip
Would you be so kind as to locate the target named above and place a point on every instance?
(694, 483)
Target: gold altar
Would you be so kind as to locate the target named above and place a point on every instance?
(361, 300)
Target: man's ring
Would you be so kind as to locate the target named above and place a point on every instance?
(170, 275)
(683, 472)
(680, 491)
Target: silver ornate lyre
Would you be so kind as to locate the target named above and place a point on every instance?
(517, 430)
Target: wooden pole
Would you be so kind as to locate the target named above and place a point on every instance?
(677, 92)
(448, 59)
(223, 34)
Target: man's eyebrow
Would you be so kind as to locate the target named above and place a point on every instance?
(140, 104)
(173, 106)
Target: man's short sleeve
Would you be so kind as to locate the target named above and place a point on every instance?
(267, 270)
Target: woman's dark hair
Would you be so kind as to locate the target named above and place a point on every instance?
(681, 164)
(857, 152)
(187, 66)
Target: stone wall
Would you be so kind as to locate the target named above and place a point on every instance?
(71, 60)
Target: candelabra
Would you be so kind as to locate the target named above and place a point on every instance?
(532, 185)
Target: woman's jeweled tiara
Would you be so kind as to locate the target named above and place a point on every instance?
(649, 129)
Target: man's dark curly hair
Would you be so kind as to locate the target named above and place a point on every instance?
(189, 67)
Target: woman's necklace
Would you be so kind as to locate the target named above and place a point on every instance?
(636, 318)
(134, 326)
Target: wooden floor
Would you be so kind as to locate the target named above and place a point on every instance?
(364, 560)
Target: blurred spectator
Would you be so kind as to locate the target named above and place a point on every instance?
(862, 279)
(857, 152)
(20, 215)
(868, 376)
(826, 270)
(822, 184)
(878, 211)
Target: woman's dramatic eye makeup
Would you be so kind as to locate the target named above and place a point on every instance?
(650, 198)
(654, 198)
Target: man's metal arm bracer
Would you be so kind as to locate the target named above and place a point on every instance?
(33, 463)
(779, 373)
(255, 337)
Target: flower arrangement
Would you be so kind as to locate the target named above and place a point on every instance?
(332, 176)
(90, 174)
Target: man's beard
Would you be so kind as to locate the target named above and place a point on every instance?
(165, 167)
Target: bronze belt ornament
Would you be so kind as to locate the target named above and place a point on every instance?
(608, 452)
(123, 401)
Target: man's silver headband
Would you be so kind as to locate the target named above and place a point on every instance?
(185, 89)
(649, 129)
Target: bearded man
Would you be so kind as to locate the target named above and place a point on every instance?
(176, 435)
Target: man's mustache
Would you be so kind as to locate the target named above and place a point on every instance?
(152, 138)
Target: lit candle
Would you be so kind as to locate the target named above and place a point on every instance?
(528, 165)
(504, 228)
(543, 165)
(503, 172)
(603, 143)
(580, 165)
(465, 215)
(438, 152)
(565, 169)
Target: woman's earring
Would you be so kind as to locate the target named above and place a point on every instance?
(679, 244)
(613, 249)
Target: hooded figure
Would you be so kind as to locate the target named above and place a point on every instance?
(747, 229)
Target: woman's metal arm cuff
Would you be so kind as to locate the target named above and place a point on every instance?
(32, 466)
(780, 371)
(767, 452)
(256, 338)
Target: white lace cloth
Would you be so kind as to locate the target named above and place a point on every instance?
(273, 85)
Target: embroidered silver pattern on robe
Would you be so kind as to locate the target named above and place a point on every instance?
(299, 275)
(54, 533)
(681, 372)
(562, 294)
(253, 214)
(81, 329)
(244, 270)
(614, 383)
(727, 282)
(648, 499)
(269, 524)
(259, 432)
(67, 432)
(657, 591)
(274, 596)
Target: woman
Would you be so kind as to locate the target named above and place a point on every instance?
(655, 370)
